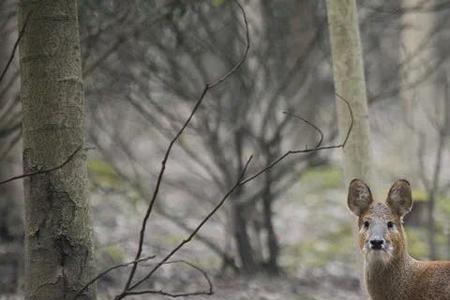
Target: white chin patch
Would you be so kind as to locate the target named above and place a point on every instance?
(377, 257)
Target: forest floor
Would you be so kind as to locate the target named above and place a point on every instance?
(261, 288)
(313, 287)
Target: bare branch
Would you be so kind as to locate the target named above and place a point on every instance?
(310, 124)
(308, 150)
(100, 275)
(207, 292)
(199, 101)
(16, 44)
(68, 159)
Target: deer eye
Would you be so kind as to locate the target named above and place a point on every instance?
(390, 225)
(366, 224)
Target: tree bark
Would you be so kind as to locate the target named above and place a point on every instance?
(58, 235)
(349, 82)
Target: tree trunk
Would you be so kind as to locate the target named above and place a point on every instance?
(349, 82)
(58, 237)
(272, 241)
(240, 217)
(242, 239)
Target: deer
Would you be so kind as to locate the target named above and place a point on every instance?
(390, 272)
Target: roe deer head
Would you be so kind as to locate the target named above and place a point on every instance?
(390, 272)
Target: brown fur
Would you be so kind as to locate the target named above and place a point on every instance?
(393, 274)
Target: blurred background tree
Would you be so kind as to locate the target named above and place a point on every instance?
(11, 204)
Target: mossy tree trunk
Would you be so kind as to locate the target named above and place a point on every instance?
(58, 239)
(349, 81)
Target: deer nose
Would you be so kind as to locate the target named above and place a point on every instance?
(376, 244)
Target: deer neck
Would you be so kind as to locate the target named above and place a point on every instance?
(389, 281)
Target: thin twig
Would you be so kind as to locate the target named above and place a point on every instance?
(310, 124)
(207, 292)
(66, 161)
(100, 275)
(308, 150)
(16, 44)
(168, 294)
(210, 290)
(199, 101)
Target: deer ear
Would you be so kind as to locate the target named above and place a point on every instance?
(399, 198)
(359, 197)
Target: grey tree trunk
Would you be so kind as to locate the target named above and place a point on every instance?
(58, 239)
(349, 82)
